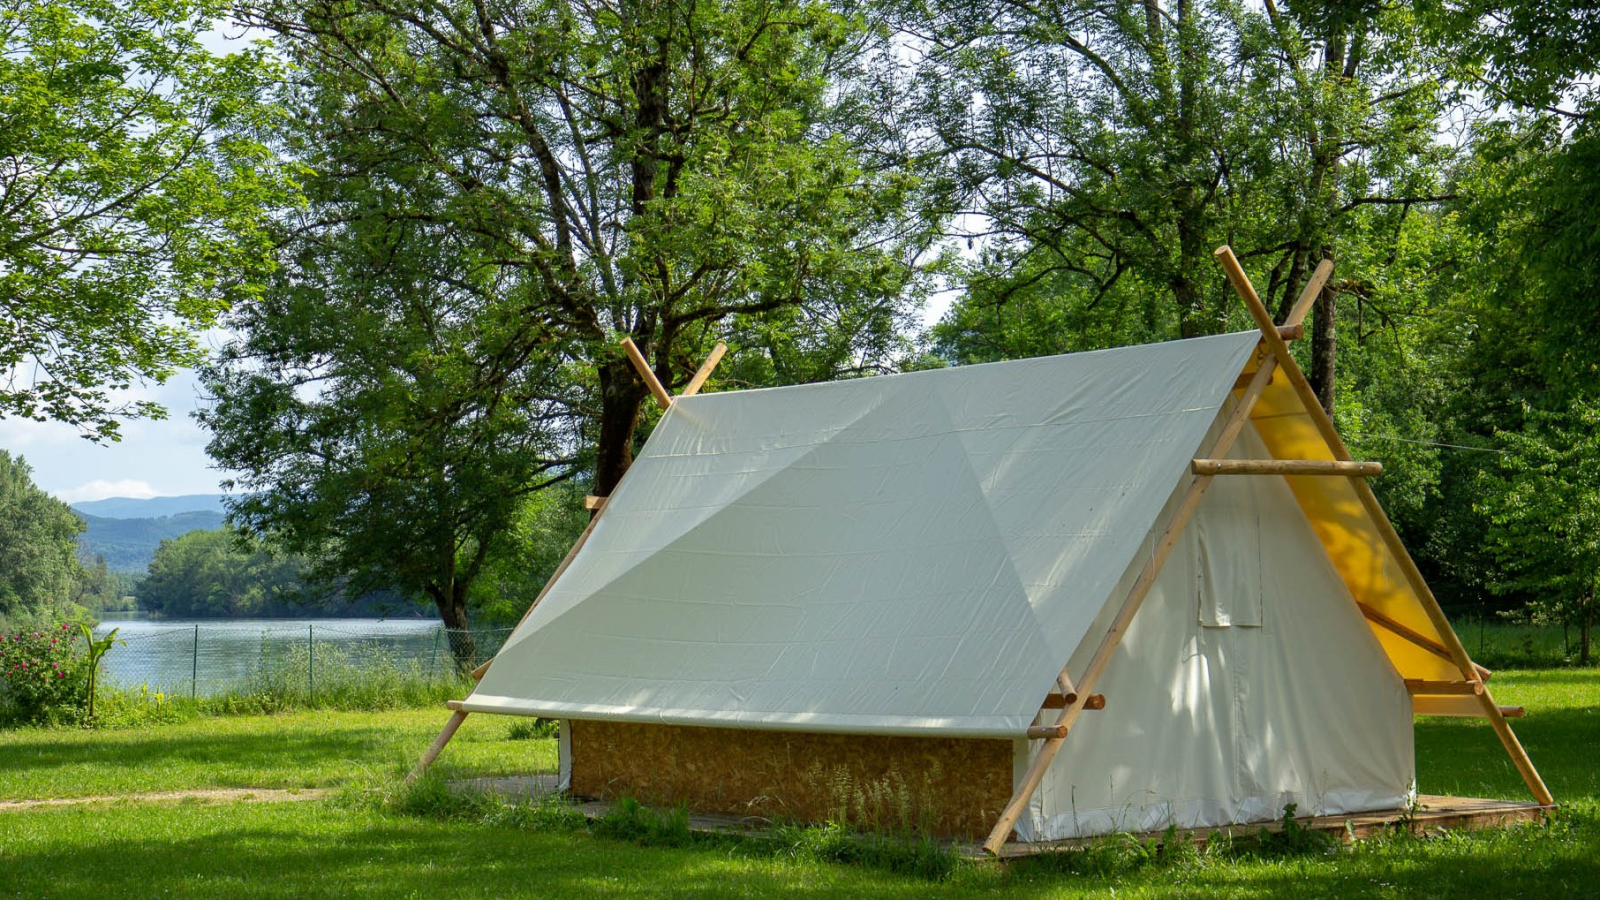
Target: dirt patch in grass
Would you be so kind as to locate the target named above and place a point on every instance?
(215, 795)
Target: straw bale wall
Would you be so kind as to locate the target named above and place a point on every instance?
(950, 787)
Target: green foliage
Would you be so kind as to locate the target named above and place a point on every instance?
(532, 729)
(343, 677)
(541, 532)
(134, 188)
(38, 557)
(629, 820)
(214, 574)
(95, 649)
(42, 676)
(909, 855)
(1110, 148)
(1543, 506)
(492, 205)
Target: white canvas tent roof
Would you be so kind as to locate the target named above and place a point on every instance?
(933, 553)
(906, 554)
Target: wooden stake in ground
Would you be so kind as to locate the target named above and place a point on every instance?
(459, 715)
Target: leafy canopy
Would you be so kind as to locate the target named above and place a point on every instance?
(134, 191)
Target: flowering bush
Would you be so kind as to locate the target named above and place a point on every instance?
(42, 675)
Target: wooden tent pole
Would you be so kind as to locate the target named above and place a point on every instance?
(479, 672)
(704, 372)
(1380, 519)
(649, 378)
(456, 718)
(1302, 306)
(637, 358)
(1130, 605)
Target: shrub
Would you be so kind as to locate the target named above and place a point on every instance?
(43, 675)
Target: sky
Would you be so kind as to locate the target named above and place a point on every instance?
(153, 459)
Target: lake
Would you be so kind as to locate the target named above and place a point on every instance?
(212, 656)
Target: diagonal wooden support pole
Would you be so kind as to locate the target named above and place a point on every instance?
(437, 747)
(663, 399)
(1130, 605)
(600, 504)
(704, 372)
(1380, 519)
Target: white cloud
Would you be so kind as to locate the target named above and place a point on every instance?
(100, 489)
(155, 458)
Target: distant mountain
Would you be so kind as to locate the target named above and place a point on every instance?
(129, 544)
(155, 507)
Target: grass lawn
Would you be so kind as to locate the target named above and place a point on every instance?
(338, 848)
(291, 750)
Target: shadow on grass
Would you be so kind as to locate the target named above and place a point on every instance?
(320, 850)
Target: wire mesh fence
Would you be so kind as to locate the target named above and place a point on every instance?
(1501, 642)
(206, 659)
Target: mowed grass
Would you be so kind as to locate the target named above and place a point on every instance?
(314, 749)
(348, 848)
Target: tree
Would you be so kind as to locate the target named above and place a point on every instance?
(133, 194)
(498, 193)
(1543, 505)
(38, 551)
(650, 170)
(211, 574)
(385, 426)
(1108, 148)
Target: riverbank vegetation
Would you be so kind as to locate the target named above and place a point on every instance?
(373, 838)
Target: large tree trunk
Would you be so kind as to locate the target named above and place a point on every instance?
(452, 606)
(1585, 632)
(1324, 346)
(621, 398)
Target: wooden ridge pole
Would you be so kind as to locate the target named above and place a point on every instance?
(1146, 579)
(1380, 519)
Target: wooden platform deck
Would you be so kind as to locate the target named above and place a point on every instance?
(1432, 813)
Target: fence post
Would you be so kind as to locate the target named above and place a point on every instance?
(194, 665)
(311, 665)
(433, 664)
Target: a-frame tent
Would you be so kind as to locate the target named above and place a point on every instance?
(931, 576)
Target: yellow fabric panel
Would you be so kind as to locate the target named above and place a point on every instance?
(1369, 570)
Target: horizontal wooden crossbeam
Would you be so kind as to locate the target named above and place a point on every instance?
(1459, 706)
(1285, 467)
(593, 502)
(1243, 381)
(1055, 700)
(1423, 686)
